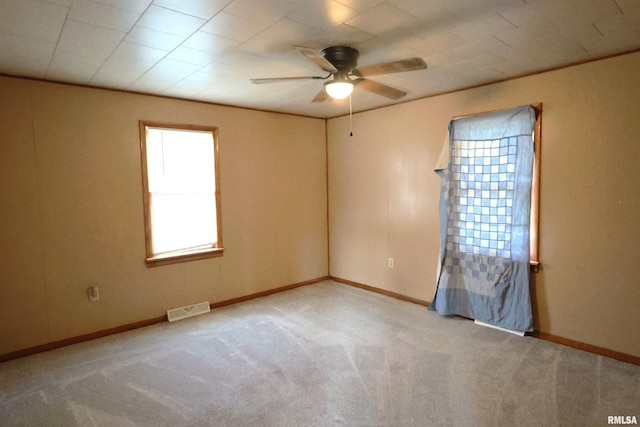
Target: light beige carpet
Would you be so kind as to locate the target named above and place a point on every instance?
(320, 355)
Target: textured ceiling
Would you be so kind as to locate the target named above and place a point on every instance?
(209, 49)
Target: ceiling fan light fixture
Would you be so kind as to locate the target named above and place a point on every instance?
(339, 89)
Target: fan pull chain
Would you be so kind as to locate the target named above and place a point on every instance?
(350, 118)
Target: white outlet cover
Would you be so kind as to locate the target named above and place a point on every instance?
(93, 293)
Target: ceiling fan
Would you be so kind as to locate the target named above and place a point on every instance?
(341, 63)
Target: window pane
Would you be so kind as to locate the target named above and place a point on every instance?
(182, 221)
(180, 161)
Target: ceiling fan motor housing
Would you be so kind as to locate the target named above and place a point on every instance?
(344, 58)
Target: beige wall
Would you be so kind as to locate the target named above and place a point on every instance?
(71, 209)
(383, 196)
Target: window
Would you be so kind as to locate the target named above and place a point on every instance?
(535, 189)
(181, 192)
(488, 217)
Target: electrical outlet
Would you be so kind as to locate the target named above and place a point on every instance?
(390, 262)
(93, 293)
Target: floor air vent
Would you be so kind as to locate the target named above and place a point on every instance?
(188, 311)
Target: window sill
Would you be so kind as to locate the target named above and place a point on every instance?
(177, 257)
(534, 266)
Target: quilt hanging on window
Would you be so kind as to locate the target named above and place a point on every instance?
(485, 201)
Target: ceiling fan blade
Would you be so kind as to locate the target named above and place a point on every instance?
(317, 58)
(380, 89)
(321, 96)
(283, 79)
(409, 64)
